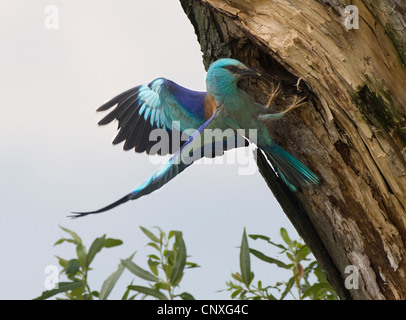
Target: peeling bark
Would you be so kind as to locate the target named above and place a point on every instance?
(352, 133)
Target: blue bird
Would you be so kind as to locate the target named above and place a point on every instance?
(162, 104)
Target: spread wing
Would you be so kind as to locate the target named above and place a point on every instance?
(160, 104)
(192, 150)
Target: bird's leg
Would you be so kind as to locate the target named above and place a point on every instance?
(274, 116)
(275, 93)
(297, 103)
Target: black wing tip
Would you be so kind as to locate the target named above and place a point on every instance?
(112, 102)
(105, 106)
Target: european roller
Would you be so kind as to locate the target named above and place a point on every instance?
(163, 104)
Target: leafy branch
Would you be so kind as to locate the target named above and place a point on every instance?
(171, 261)
(168, 262)
(301, 263)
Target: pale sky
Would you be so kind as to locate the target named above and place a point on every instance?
(56, 159)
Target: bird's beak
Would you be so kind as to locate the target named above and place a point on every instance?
(248, 72)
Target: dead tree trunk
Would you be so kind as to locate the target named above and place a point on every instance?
(352, 133)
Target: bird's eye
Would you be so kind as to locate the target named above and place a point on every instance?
(232, 69)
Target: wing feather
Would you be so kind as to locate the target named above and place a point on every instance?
(153, 106)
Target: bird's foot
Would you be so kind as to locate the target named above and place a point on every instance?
(296, 104)
(275, 93)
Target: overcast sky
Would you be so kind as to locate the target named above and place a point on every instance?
(56, 159)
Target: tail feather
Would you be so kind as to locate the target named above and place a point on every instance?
(110, 206)
(292, 172)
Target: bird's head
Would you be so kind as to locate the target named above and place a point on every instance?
(223, 75)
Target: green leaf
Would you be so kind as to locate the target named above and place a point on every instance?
(186, 296)
(265, 258)
(99, 244)
(162, 285)
(237, 276)
(62, 262)
(302, 253)
(138, 271)
(236, 293)
(76, 238)
(125, 295)
(290, 256)
(180, 258)
(72, 267)
(95, 248)
(62, 240)
(127, 292)
(161, 233)
(154, 245)
(81, 253)
(312, 266)
(150, 235)
(77, 293)
(317, 290)
(110, 243)
(191, 265)
(270, 296)
(170, 256)
(153, 265)
(110, 282)
(319, 273)
(285, 237)
(289, 286)
(62, 287)
(245, 263)
(258, 236)
(153, 256)
(168, 270)
(259, 285)
(149, 292)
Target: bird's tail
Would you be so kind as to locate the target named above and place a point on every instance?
(292, 172)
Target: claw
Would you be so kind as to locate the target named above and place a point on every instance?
(298, 84)
(275, 93)
(297, 103)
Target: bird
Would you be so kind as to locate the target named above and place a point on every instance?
(166, 106)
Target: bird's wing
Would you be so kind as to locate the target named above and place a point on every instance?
(192, 150)
(155, 106)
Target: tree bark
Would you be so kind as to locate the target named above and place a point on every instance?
(352, 133)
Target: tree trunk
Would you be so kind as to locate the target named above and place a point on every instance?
(352, 133)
